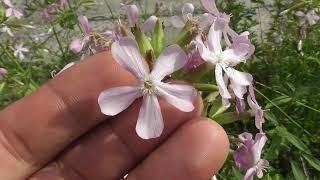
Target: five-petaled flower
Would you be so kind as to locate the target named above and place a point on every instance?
(115, 100)
(19, 50)
(12, 10)
(248, 155)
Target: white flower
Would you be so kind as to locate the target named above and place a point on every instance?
(115, 100)
(212, 51)
(19, 50)
(12, 10)
(7, 30)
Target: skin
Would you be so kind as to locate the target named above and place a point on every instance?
(58, 132)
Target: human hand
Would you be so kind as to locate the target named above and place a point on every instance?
(58, 132)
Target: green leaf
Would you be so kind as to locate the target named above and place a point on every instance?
(279, 101)
(281, 131)
(237, 174)
(297, 171)
(158, 40)
(315, 163)
(230, 117)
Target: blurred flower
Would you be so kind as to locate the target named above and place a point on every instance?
(77, 45)
(115, 100)
(212, 52)
(3, 73)
(277, 37)
(48, 14)
(19, 50)
(258, 112)
(311, 17)
(248, 155)
(187, 13)
(7, 30)
(133, 17)
(12, 10)
(299, 45)
(194, 61)
(214, 178)
(64, 3)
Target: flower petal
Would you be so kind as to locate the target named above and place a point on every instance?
(249, 174)
(260, 141)
(133, 14)
(9, 12)
(8, 3)
(210, 6)
(214, 37)
(83, 20)
(170, 60)
(239, 90)
(77, 45)
(177, 22)
(179, 95)
(223, 90)
(206, 20)
(239, 78)
(115, 100)
(150, 121)
(126, 53)
(149, 24)
(205, 53)
(187, 10)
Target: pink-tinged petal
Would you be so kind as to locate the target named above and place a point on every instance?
(243, 158)
(126, 53)
(244, 137)
(8, 3)
(240, 105)
(150, 121)
(179, 95)
(214, 38)
(300, 14)
(66, 67)
(115, 100)
(312, 17)
(9, 12)
(83, 20)
(187, 10)
(133, 14)
(170, 60)
(64, 3)
(17, 14)
(3, 73)
(177, 22)
(206, 20)
(210, 6)
(77, 45)
(194, 61)
(233, 57)
(149, 24)
(214, 178)
(239, 90)
(223, 90)
(237, 77)
(225, 103)
(260, 141)
(108, 33)
(205, 53)
(249, 174)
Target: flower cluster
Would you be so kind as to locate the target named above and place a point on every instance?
(140, 48)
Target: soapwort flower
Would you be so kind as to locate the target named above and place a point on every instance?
(248, 155)
(133, 18)
(3, 73)
(187, 13)
(19, 51)
(7, 30)
(12, 10)
(311, 17)
(224, 60)
(115, 100)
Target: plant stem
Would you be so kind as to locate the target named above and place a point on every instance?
(206, 87)
(57, 39)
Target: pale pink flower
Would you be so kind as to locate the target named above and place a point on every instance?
(12, 10)
(115, 100)
(64, 3)
(7, 30)
(212, 52)
(3, 73)
(187, 13)
(311, 17)
(194, 61)
(77, 45)
(257, 110)
(133, 18)
(248, 155)
(19, 51)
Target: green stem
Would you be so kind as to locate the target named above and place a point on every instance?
(205, 87)
(57, 39)
(18, 65)
(283, 112)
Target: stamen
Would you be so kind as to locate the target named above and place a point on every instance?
(148, 87)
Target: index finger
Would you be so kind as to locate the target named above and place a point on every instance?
(37, 127)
